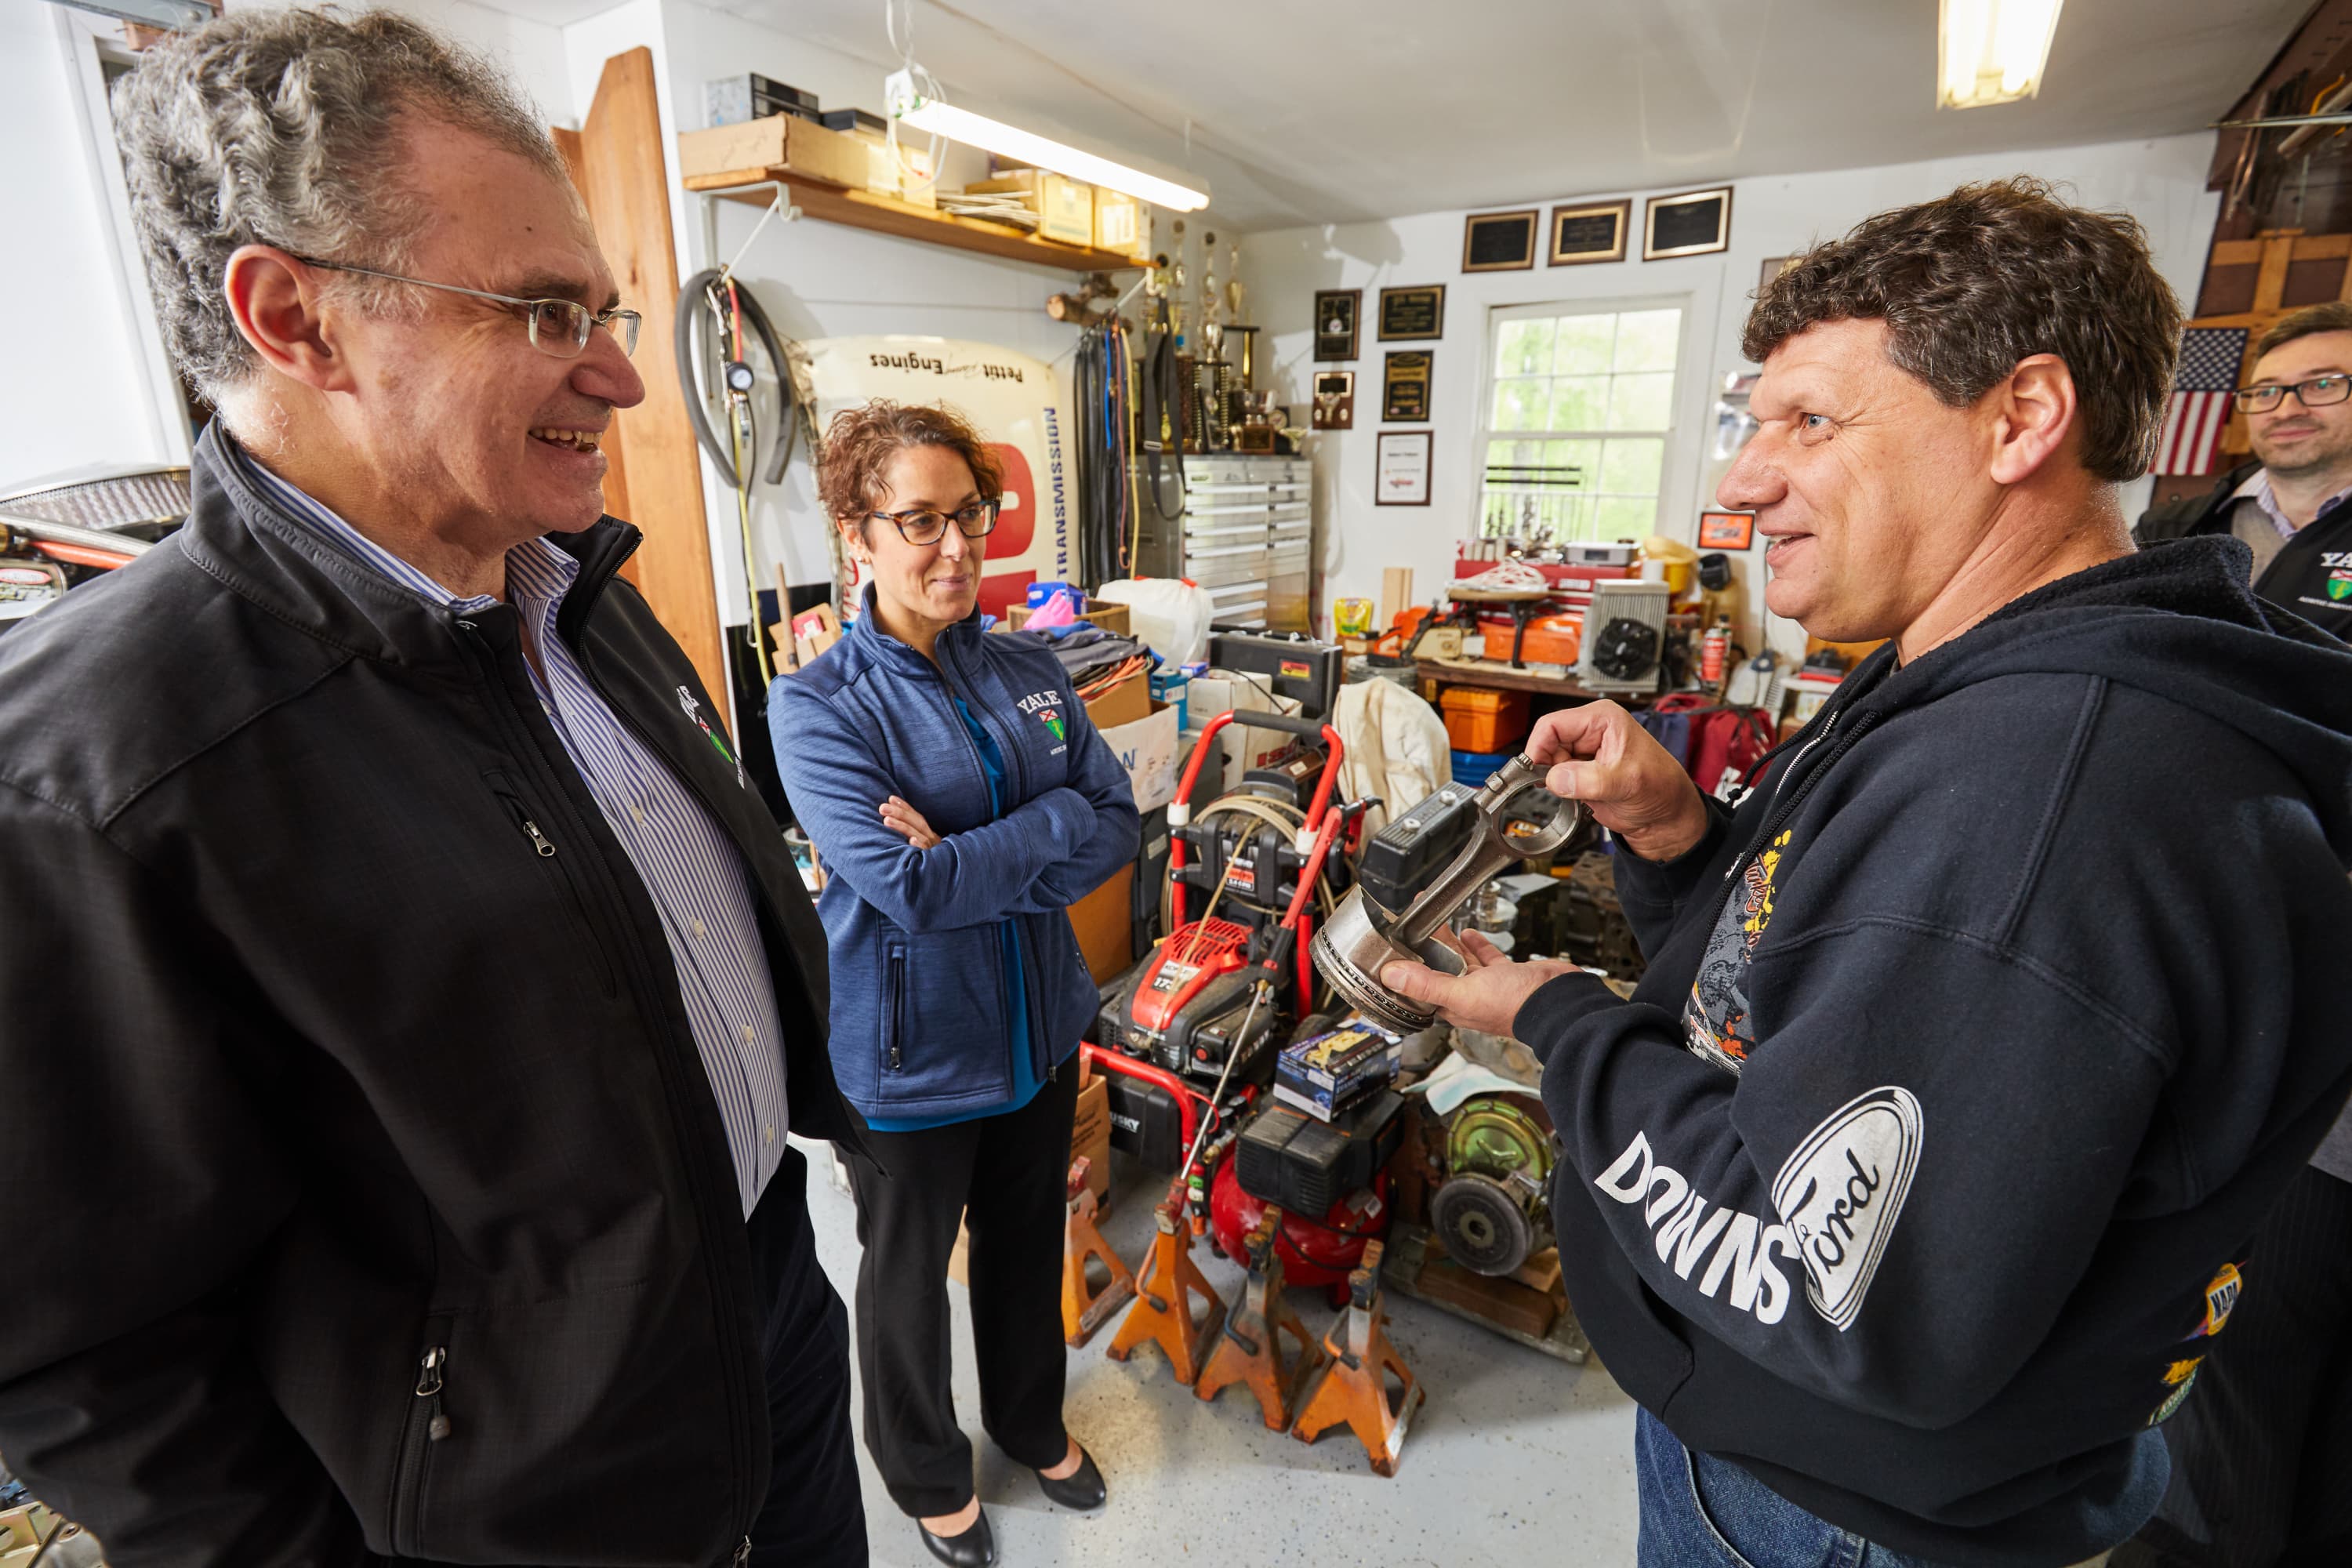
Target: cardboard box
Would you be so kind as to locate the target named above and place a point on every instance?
(1108, 614)
(1105, 922)
(1246, 745)
(1125, 703)
(1065, 206)
(1122, 224)
(1326, 1074)
(779, 145)
(1148, 748)
(1090, 1136)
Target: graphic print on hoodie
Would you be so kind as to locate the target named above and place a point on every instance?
(1972, 1047)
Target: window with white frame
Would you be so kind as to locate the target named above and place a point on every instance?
(1579, 411)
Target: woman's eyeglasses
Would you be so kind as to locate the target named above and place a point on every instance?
(921, 525)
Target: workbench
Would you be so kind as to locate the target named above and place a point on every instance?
(1539, 678)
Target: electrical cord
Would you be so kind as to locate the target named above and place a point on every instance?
(693, 302)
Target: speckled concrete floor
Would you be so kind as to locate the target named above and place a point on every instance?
(1514, 1457)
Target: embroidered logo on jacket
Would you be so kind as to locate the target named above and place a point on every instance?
(1841, 1191)
(1045, 708)
(693, 709)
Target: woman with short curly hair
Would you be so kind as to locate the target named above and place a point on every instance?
(960, 802)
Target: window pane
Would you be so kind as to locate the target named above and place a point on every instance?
(1625, 517)
(1584, 345)
(1639, 403)
(1579, 403)
(1582, 456)
(1632, 467)
(1526, 348)
(1521, 403)
(1506, 454)
(1646, 339)
(1575, 514)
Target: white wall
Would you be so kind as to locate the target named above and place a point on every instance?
(2160, 183)
(80, 389)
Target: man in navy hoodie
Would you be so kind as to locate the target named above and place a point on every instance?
(1907, 1192)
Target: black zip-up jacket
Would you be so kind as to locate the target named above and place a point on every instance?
(2312, 573)
(1916, 1174)
(314, 1060)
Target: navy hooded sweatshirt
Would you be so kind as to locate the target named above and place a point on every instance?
(1916, 1175)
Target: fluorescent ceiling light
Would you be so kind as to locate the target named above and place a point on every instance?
(908, 104)
(1994, 51)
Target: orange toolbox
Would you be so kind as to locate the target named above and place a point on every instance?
(1477, 720)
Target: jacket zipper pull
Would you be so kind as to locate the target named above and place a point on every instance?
(743, 1553)
(539, 841)
(428, 1386)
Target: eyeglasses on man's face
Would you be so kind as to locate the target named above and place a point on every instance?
(921, 525)
(557, 327)
(2318, 392)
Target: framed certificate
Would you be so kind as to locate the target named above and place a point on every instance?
(1593, 232)
(1404, 390)
(1410, 313)
(1692, 223)
(1498, 242)
(1334, 399)
(1403, 477)
(1338, 315)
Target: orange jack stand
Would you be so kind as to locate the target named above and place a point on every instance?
(1085, 1311)
(1163, 1313)
(1249, 1351)
(1354, 1387)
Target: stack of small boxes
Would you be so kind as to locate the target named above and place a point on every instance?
(1327, 1074)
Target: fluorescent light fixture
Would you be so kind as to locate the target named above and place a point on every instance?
(908, 104)
(1994, 51)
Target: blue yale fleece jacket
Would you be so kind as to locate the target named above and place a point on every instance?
(1916, 1175)
(921, 1019)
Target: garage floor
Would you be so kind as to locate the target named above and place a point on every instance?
(1514, 1457)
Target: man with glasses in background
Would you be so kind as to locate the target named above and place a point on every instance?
(407, 1001)
(2259, 1455)
(2287, 505)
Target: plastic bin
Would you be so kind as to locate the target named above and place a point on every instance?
(1477, 720)
(1473, 768)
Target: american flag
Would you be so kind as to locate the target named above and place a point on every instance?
(2210, 360)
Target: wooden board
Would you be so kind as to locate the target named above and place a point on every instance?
(888, 214)
(617, 468)
(627, 189)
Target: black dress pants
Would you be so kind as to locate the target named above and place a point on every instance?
(1006, 1178)
(2262, 1448)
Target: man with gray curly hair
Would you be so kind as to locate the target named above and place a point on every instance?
(406, 997)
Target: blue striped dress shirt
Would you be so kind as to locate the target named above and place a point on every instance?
(690, 868)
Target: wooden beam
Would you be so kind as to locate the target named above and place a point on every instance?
(2270, 284)
(617, 468)
(627, 188)
(888, 214)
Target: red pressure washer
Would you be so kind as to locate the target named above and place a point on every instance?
(1202, 1020)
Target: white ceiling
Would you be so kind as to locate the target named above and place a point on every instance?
(1329, 110)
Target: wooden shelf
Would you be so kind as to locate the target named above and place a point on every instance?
(888, 214)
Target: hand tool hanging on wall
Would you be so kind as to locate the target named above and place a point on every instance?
(1162, 400)
(718, 308)
(1101, 377)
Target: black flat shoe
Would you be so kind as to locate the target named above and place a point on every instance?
(1082, 1489)
(975, 1547)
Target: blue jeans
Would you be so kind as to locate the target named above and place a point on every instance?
(1700, 1511)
